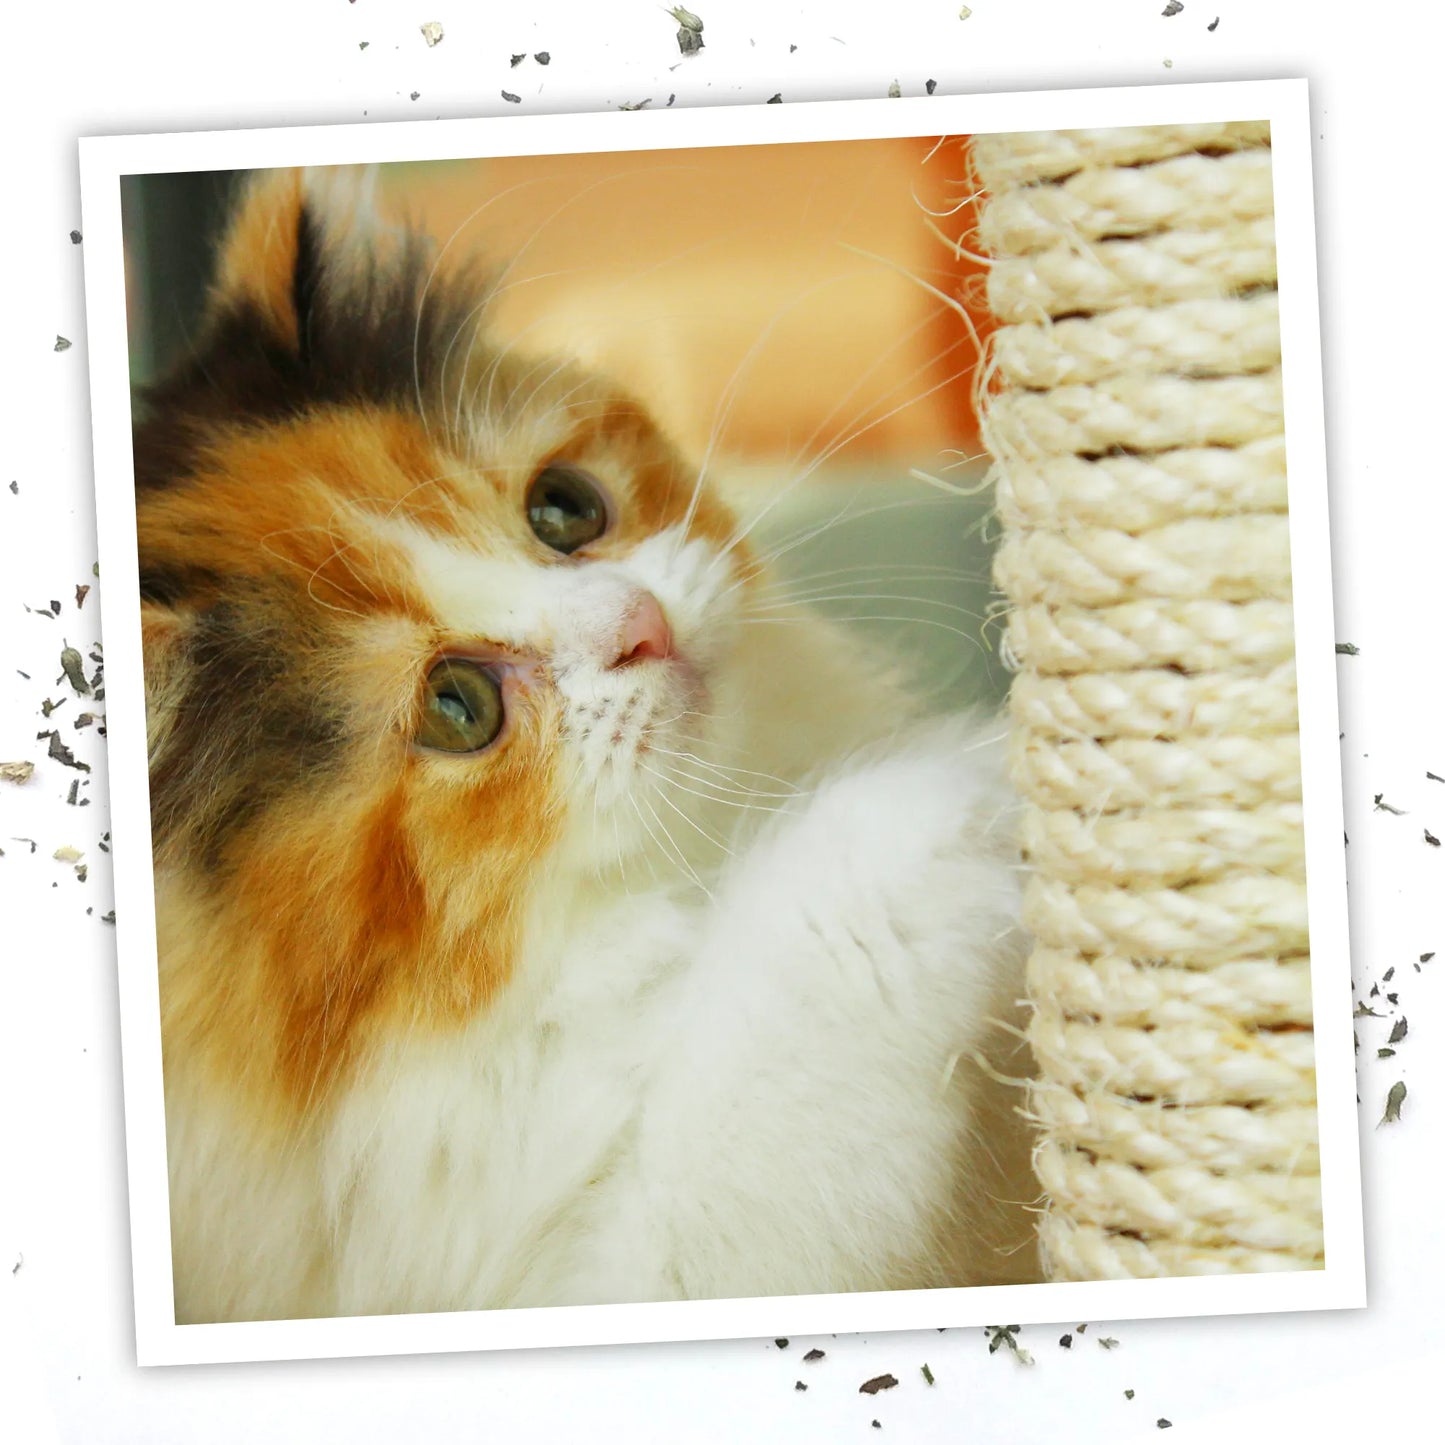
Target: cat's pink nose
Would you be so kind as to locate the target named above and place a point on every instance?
(644, 632)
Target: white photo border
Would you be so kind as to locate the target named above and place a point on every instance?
(103, 163)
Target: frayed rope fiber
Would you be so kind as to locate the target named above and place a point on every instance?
(1132, 406)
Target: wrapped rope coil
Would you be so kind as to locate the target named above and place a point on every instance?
(1135, 421)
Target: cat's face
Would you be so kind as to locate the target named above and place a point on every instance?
(419, 616)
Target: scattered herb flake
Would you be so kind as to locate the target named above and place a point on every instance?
(416, 95)
(1431, 839)
(1363, 1011)
(1004, 1335)
(781, 1344)
(1108, 1342)
(543, 57)
(15, 487)
(776, 99)
(432, 33)
(1346, 649)
(1164, 1424)
(514, 99)
(73, 666)
(1066, 1342)
(1433, 777)
(1426, 957)
(895, 91)
(31, 841)
(518, 59)
(1128, 1394)
(74, 792)
(1172, 8)
(62, 754)
(964, 13)
(799, 1385)
(930, 86)
(66, 854)
(75, 238)
(108, 917)
(61, 343)
(1388, 974)
(814, 1354)
(1393, 1100)
(1381, 806)
(82, 871)
(1213, 24)
(1384, 1053)
(19, 772)
(927, 1374)
(635, 104)
(1397, 1034)
(82, 589)
(878, 1382)
(364, 44)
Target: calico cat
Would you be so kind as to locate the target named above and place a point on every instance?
(532, 930)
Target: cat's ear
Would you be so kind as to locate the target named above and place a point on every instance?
(301, 241)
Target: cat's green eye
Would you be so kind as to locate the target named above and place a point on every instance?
(566, 508)
(461, 707)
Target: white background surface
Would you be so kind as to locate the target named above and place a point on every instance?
(70, 70)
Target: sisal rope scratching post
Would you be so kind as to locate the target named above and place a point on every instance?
(1136, 425)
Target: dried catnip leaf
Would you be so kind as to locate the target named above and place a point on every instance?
(776, 99)
(1431, 839)
(799, 1385)
(814, 1354)
(927, 1374)
(74, 792)
(930, 86)
(1393, 1100)
(73, 666)
(543, 57)
(19, 772)
(1066, 1342)
(1347, 649)
(62, 343)
(81, 589)
(781, 1344)
(432, 32)
(877, 1383)
(75, 238)
(1108, 1342)
(1402, 1027)
(1363, 1011)
(1384, 1053)
(1381, 806)
(62, 754)
(895, 91)
(1172, 8)
(514, 99)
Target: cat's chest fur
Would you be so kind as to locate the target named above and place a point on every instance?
(757, 1092)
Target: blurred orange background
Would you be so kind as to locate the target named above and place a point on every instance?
(767, 296)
